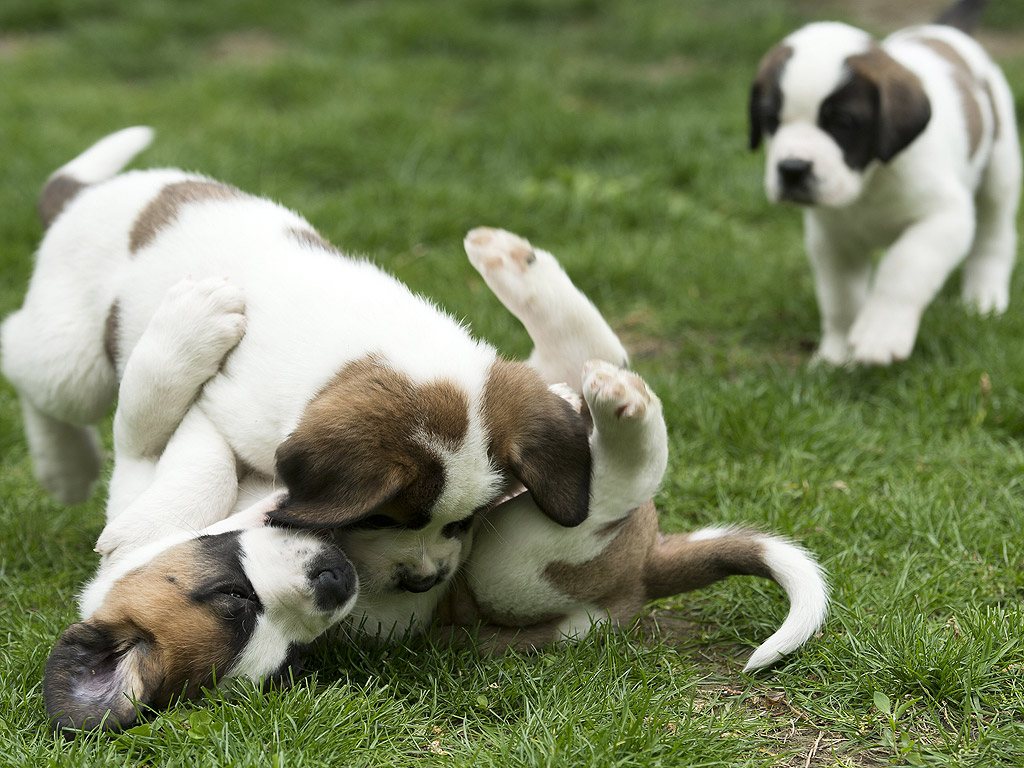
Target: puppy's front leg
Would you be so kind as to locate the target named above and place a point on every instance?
(195, 485)
(565, 327)
(908, 278)
(842, 274)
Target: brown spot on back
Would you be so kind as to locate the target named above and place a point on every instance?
(966, 84)
(112, 334)
(56, 194)
(310, 239)
(364, 441)
(165, 207)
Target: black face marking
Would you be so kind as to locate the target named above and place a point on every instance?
(228, 593)
(766, 95)
(850, 116)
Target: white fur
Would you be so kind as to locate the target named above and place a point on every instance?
(933, 206)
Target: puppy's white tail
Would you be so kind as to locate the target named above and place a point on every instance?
(99, 162)
(683, 562)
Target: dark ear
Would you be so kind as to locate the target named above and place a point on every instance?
(903, 108)
(765, 94)
(331, 482)
(97, 678)
(541, 440)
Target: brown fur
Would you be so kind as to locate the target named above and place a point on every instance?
(903, 106)
(112, 333)
(310, 239)
(164, 208)
(57, 193)
(540, 438)
(765, 95)
(966, 84)
(359, 446)
(149, 642)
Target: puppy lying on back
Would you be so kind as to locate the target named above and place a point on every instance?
(909, 146)
(528, 583)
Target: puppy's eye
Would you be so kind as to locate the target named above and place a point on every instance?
(375, 522)
(457, 528)
(237, 592)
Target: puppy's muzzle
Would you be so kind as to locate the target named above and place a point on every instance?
(796, 180)
(333, 580)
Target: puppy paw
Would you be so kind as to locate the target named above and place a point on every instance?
(519, 275)
(199, 323)
(833, 351)
(883, 335)
(68, 468)
(986, 299)
(615, 394)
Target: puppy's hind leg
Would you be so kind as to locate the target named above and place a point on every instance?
(66, 458)
(566, 328)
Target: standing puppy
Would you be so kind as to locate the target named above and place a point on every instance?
(908, 146)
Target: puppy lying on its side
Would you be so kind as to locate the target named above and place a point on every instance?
(908, 146)
(527, 583)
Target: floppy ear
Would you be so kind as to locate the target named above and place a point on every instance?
(332, 480)
(98, 677)
(541, 440)
(902, 106)
(765, 94)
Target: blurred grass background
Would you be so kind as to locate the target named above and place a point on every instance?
(613, 134)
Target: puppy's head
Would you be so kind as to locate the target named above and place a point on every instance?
(235, 604)
(403, 466)
(829, 103)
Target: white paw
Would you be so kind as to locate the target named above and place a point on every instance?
(517, 273)
(832, 351)
(200, 322)
(615, 394)
(69, 469)
(986, 299)
(883, 335)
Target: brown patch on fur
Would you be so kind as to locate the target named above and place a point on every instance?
(56, 194)
(765, 93)
(310, 239)
(903, 106)
(164, 208)
(112, 333)
(966, 84)
(678, 564)
(363, 442)
(540, 439)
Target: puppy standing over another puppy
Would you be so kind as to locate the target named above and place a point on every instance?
(909, 145)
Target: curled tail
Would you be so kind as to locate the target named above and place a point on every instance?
(684, 562)
(98, 163)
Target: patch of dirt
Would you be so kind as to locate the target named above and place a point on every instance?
(247, 46)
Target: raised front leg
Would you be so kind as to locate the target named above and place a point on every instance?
(195, 485)
(566, 328)
(185, 344)
(909, 276)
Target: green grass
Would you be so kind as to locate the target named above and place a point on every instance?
(613, 134)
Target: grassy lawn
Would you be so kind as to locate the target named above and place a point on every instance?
(613, 134)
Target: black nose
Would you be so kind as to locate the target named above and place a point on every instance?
(333, 581)
(794, 172)
(413, 583)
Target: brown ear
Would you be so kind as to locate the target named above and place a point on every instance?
(903, 109)
(540, 439)
(98, 677)
(765, 94)
(334, 479)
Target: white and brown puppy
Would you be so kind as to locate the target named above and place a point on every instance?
(909, 145)
(194, 608)
(529, 583)
(375, 409)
